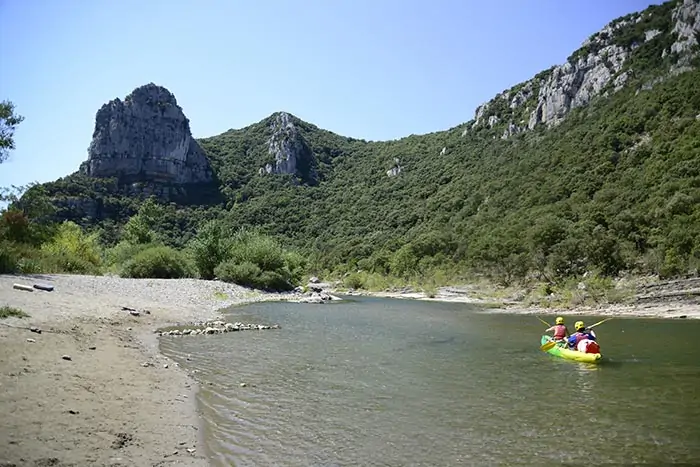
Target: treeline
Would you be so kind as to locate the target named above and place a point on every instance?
(242, 256)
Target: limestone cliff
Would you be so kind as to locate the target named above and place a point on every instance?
(661, 37)
(146, 138)
(289, 151)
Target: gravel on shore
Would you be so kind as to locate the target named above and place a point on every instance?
(91, 387)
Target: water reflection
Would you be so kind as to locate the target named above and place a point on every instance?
(330, 388)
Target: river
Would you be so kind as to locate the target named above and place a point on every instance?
(387, 382)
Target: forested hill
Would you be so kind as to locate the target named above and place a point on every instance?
(592, 165)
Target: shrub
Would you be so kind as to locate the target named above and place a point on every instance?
(256, 260)
(354, 281)
(246, 274)
(124, 251)
(209, 248)
(71, 250)
(249, 274)
(258, 249)
(159, 262)
(9, 257)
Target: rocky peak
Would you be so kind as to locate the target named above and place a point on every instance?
(290, 152)
(667, 33)
(686, 20)
(145, 138)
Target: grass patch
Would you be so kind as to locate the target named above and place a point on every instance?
(11, 312)
(220, 295)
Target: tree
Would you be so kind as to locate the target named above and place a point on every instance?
(8, 121)
(139, 229)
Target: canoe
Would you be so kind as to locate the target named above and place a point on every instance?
(561, 351)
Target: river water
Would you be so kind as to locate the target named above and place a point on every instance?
(382, 382)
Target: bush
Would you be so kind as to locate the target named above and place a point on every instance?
(160, 262)
(10, 256)
(210, 248)
(258, 249)
(249, 274)
(71, 250)
(256, 260)
(124, 251)
(246, 274)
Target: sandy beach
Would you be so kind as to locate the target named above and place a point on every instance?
(92, 389)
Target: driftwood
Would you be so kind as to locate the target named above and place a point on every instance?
(26, 288)
(134, 311)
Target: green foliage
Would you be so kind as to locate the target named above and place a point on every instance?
(12, 312)
(613, 188)
(139, 228)
(72, 250)
(210, 247)
(8, 123)
(594, 289)
(160, 262)
(260, 261)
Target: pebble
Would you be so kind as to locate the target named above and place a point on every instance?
(66, 357)
(29, 339)
(92, 347)
(165, 365)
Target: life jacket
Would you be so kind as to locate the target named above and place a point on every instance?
(576, 337)
(559, 332)
(580, 336)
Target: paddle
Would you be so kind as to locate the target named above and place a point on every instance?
(547, 345)
(599, 322)
(545, 322)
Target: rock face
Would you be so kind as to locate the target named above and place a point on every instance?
(600, 66)
(146, 138)
(687, 26)
(289, 150)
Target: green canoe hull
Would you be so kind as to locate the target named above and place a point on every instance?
(561, 351)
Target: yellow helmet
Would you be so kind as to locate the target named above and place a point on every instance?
(579, 325)
(559, 320)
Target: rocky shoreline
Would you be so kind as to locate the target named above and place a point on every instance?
(651, 298)
(82, 381)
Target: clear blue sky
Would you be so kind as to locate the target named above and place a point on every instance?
(373, 69)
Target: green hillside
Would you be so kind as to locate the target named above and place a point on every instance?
(613, 187)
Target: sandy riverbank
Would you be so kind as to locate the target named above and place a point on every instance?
(116, 401)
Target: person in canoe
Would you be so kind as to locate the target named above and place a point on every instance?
(583, 340)
(561, 332)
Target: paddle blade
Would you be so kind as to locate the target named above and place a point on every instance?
(547, 345)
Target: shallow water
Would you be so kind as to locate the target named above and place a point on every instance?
(397, 382)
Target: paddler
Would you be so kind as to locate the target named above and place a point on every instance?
(561, 332)
(583, 339)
